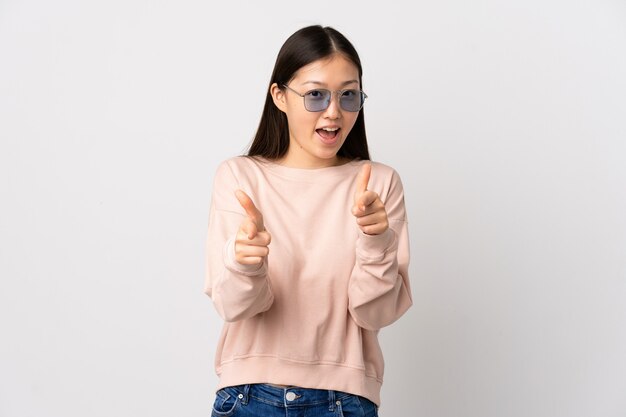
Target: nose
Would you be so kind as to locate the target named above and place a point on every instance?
(333, 111)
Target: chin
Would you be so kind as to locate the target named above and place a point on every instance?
(328, 155)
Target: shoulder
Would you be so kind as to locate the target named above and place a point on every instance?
(239, 172)
(239, 167)
(237, 163)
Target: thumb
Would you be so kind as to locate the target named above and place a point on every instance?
(251, 211)
(362, 180)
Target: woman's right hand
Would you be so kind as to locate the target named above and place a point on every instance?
(251, 243)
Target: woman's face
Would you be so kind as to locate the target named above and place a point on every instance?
(315, 137)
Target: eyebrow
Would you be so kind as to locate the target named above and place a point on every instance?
(324, 84)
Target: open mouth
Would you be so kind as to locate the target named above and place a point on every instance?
(328, 135)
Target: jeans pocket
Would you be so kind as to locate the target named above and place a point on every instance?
(226, 402)
(370, 409)
(357, 406)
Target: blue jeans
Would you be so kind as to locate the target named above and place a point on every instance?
(263, 400)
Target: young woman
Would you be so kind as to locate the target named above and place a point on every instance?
(307, 249)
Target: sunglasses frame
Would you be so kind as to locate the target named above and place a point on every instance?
(340, 92)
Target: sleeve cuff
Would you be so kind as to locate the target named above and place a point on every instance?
(374, 247)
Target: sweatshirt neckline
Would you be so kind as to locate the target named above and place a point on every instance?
(308, 174)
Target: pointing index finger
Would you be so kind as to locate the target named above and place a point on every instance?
(248, 205)
(363, 180)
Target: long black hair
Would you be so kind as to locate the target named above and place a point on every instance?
(303, 47)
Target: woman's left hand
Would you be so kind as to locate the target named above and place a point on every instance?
(369, 210)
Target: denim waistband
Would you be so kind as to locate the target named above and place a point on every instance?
(292, 396)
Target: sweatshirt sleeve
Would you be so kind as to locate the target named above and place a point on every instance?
(379, 291)
(238, 291)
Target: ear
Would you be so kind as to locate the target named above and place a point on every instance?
(278, 96)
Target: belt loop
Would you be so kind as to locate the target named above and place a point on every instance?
(331, 400)
(246, 393)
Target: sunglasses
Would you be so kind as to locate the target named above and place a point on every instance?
(319, 99)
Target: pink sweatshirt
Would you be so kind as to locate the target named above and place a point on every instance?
(308, 316)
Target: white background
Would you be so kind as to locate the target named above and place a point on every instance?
(505, 119)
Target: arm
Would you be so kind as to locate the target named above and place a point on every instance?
(238, 291)
(379, 291)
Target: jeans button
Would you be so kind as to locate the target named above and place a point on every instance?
(290, 396)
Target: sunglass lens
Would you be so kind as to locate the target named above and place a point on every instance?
(317, 100)
(351, 100)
